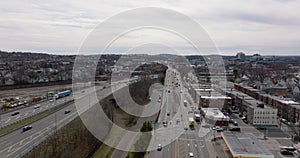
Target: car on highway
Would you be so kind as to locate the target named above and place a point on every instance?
(26, 128)
(67, 111)
(37, 106)
(191, 154)
(15, 113)
(159, 147)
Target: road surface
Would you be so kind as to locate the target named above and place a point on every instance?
(18, 143)
(176, 141)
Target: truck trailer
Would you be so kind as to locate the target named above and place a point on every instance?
(62, 94)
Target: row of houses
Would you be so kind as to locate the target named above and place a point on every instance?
(254, 111)
(287, 108)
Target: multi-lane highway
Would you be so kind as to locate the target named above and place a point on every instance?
(18, 143)
(7, 118)
(177, 139)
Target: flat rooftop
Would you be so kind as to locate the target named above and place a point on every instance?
(245, 145)
(215, 97)
(214, 114)
(253, 103)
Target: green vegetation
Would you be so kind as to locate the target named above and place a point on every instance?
(162, 80)
(140, 90)
(131, 121)
(104, 151)
(142, 142)
(147, 127)
(72, 140)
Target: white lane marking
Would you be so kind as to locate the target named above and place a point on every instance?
(7, 120)
(26, 114)
(33, 111)
(17, 149)
(21, 142)
(47, 106)
(18, 117)
(40, 133)
(9, 148)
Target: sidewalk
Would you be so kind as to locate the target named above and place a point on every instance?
(211, 149)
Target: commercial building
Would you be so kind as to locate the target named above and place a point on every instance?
(260, 114)
(245, 145)
(205, 97)
(215, 117)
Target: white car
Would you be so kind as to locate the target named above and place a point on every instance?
(159, 147)
(37, 106)
(191, 154)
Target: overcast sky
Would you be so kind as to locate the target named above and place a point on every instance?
(268, 27)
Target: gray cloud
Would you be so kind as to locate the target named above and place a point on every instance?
(270, 26)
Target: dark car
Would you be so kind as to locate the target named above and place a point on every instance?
(286, 152)
(219, 129)
(235, 123)
(15, 113)
(262, 128)
(67, 111)
(231, 121)
(26, 128)
(235, 129)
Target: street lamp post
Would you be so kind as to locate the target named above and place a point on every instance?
(0, 122)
